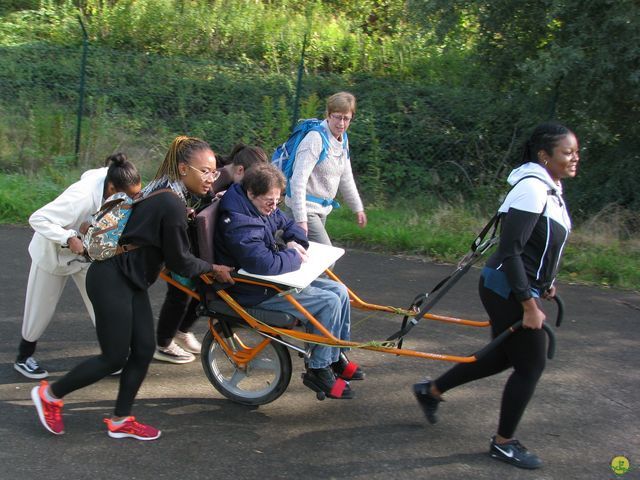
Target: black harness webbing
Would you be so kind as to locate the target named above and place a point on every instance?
(425, 302)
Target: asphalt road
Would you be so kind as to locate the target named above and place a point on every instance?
(584, 413)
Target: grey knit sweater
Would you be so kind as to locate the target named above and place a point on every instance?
(322, 179)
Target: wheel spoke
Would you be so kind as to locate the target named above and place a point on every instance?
(264, 363)
(260, 380)
(237, 377)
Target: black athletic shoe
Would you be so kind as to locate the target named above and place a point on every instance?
(324, 380)
(347, 370)
(427, 402)
(30, 368)
(515, 453)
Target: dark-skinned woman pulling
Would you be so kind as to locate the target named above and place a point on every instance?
(535, 227)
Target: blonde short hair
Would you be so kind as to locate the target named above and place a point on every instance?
(341, 102)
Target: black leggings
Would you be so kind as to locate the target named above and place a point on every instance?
(178, 312)
(124, 324)
(524, 351)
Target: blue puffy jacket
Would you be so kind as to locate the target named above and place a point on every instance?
(246, 239)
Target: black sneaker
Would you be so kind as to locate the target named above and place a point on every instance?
(30, 368)
(347, 370)
(515, 453)
(324, 380)
(426, 400)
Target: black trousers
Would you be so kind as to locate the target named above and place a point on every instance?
(178, 312)
(124, 324)
(524, 351)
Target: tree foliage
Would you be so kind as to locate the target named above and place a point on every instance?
(582, 56)
(447, 88)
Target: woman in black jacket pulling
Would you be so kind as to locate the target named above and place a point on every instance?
(117, 287)
(535, 227)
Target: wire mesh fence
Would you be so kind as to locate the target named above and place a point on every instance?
(408, 138)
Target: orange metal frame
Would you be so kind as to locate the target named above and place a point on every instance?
(243, 356)
(358, 303)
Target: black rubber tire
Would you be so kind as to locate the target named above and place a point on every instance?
(266, 377)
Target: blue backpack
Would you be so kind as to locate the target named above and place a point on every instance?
(284, 156)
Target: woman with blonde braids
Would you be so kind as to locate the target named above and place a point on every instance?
(156, 234)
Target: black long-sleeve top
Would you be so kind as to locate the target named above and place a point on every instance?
(535, 227)
(158, 226)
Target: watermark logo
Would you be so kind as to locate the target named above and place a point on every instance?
(620, 465)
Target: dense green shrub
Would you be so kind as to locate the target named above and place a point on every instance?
(446, 89)
(408, 139)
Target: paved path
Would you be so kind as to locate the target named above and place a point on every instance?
(584, 413)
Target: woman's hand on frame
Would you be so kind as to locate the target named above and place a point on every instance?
(222, 273)
(533, 316)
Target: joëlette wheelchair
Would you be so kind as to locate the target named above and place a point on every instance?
(245, 352)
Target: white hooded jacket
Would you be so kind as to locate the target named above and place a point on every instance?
(60, 219)
(535, 227)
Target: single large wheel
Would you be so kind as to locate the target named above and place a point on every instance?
(259, 381)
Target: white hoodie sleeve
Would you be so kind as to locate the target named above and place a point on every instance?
(60, 219)
(349, 190)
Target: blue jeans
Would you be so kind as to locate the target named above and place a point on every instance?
(328, 302)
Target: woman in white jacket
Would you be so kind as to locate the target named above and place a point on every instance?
(57, 253)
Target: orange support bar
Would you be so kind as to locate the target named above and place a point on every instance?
(359, 303)
(325, 337)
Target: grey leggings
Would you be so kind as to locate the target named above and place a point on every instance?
(317, 232)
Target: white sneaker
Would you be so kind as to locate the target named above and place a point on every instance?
(173, 354)
(187, 341)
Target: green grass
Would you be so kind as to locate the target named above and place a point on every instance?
(616, 265)
(439, 232)
(433, 233)
(21, 195)
(444, 233)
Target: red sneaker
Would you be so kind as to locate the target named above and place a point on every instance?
(131, 428)
(50, 413)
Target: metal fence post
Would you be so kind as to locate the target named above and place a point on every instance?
(296, 101)
(554, 98)
(83, 64)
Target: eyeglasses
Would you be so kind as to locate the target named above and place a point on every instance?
(270, 202)
(213, 175)
(341, 118)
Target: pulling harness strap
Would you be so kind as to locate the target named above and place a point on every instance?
(478, 247)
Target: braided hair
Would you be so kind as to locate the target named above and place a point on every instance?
(544, 137)
(180, 151)
(168, 175)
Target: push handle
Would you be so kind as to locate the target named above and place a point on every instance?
(551, 350)
(560, 314)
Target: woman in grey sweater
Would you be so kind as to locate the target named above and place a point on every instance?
(314, 184)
